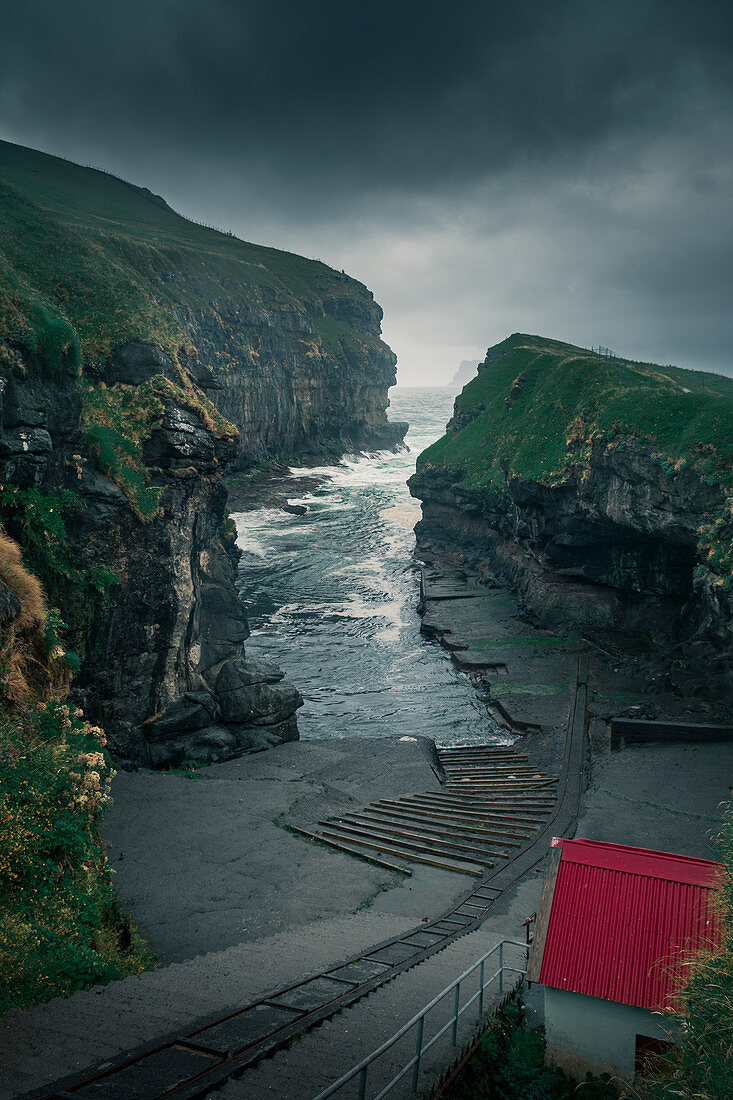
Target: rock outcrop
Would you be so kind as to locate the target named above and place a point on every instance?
(164, 668)
(141, 357)
(610, 541)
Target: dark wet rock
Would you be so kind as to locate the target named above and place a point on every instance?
(240, 673)
(255, 692)
(295, 509)
(613, 553)
(25, 440)
(192, 711)
(182, 442)
(215, 743)
(205, 745)
(9, 605)
(135, 362)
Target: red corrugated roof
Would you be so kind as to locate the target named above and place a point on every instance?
(623, 918)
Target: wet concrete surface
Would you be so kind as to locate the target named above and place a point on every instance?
(207, 862)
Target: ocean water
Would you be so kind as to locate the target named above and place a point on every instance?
(331, 597)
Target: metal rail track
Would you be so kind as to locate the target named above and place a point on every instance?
(188, 1064)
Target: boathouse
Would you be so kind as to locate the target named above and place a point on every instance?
(613, 926)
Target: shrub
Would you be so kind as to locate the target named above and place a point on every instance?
(84, 595)
(61, 925)
(701, 1064)
(509, 1064)
(25, 586)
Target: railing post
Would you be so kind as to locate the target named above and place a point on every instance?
(501, 967)
(456, 1001)
(418, 1052)
(481, 990)
(363, 1083)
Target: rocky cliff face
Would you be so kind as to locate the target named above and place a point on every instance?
(264, 363)
(164, 668)
(142, 356)
(611, 545)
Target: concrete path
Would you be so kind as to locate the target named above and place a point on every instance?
(657, 796)
(205, 863)
(328, 1051)
(66, 1036)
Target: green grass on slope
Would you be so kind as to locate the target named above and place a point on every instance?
(88, 262)
(109, 260)
(93, 200)
(537, 409)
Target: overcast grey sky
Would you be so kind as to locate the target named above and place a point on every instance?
(563, 168)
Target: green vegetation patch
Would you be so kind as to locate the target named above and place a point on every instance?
(701, 1064)
(61, 925)
(117, 422)
(89, 262)
(114, 262)
(83, 593)
(540, 407)
(509, 1064)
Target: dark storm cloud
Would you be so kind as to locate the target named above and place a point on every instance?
(403, 94)
(561, 166)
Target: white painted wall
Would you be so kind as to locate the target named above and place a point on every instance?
(588, 1033)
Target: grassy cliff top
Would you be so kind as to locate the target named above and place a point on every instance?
(88, 261)
(537, 401)
(537, 407)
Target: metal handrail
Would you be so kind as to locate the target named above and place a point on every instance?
(361, 1069)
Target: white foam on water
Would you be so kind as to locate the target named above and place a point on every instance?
(404, 516)
(332, 598)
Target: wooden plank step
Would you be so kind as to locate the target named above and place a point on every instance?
(495, 752)
(488, 797)
(475, 812)
(494, 777)
(483, 785)
(509, 836)
(509, 776)
(350, 850)
(527, 775)
(494, 769)
(494, 791)
(359, 832)
(438, 837)
(495, 755)
(523, 803)
(459, 799)
(415, 857)
(511, 814)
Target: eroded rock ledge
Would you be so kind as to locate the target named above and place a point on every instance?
(164, 669)
(612, 544)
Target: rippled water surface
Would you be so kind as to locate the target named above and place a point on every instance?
(331, 597)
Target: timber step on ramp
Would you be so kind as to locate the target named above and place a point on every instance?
(492, 803)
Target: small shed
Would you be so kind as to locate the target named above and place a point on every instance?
(613, 925)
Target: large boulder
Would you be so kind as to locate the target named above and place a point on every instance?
(216, 743)
(193, 711)
(255, 693)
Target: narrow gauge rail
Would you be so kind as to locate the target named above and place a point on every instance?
(189, 1064)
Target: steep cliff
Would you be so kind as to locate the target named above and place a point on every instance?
(602, 489)
(141, 355)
